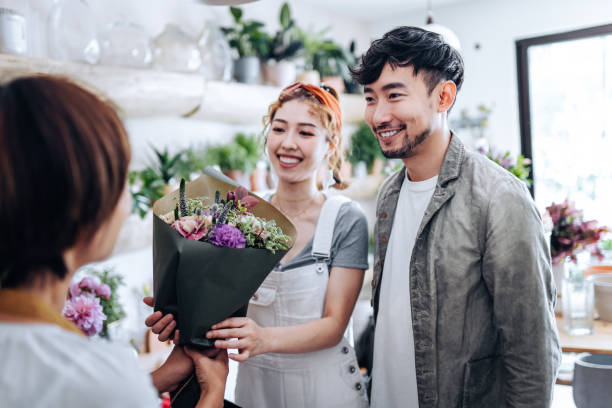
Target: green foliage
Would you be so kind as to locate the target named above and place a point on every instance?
(606, 244)
(112, 308)
(364, 147)
(324, 55)
(146, 187)
(242, 154)
(167, 163)
(245, 36)
(284, 44)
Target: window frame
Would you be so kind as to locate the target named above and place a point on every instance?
(522, 62)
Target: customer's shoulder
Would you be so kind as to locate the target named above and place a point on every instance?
(47, 362)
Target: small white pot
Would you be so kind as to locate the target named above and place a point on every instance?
(602, 283)
(280, 73)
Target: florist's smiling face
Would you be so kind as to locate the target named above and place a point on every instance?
(400, 110)
(297, 142)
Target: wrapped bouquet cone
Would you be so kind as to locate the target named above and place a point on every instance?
(203, 270)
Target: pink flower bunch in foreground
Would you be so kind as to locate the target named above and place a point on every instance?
(83, 306)
(86, 312)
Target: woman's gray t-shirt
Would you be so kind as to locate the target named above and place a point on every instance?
(349, 242)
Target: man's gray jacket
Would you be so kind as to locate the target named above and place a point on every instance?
(481, 288)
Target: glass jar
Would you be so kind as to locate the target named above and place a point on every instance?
(217, 60)
(126, 44)
(174, 50)
(72, 32)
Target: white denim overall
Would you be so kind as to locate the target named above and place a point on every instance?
(324, 378)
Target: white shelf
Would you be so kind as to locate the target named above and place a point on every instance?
(140, 92)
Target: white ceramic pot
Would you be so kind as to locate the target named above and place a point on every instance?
(280, 73)
(602, 283)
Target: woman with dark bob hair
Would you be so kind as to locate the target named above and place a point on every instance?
(64, 157)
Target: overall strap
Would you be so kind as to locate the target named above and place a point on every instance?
(322, 241)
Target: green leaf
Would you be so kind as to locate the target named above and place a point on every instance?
(285, 15)
(236, 13)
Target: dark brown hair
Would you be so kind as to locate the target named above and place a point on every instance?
(64, 157)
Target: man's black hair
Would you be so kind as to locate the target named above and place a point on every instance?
(411, 46)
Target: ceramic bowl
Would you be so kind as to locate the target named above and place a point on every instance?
(592, 379)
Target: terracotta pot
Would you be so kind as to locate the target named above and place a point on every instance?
(377, 166)
(258, 180)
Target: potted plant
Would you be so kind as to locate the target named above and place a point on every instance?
(364, 149)
(152, 183)
(247, 39)
(235, 159)
(570, 235)
(279, 49)
(329, 59)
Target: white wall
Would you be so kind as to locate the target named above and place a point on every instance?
(491, 75)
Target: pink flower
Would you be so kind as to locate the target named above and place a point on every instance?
(90, 283)
(75, 290)
(240, 194)
(104, 291)
(191, 227)
(86, 312)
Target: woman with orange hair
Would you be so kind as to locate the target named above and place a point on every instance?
(294, 346)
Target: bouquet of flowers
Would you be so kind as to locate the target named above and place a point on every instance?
(210, 255)
(518, 167)
(570, 233)
(92, 303)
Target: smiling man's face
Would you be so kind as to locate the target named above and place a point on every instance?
(400, 110)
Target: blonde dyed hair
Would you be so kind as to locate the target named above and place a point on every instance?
(328, 119)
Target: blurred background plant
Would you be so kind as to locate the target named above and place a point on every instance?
(284, 44)
(364, 148)
(571, 234)
(245, 36)
(520, 166)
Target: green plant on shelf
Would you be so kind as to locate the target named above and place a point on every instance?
(245, 36)
(242, 154)
(284, 44)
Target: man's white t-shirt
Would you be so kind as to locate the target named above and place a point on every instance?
(43, 365)
(393, 373)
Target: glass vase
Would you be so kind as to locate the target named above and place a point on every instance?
(72, 32)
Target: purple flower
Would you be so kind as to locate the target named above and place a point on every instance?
(104, 291)
(227, 236)
(86, 312)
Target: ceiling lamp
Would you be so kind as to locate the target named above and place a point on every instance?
(449, 36)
